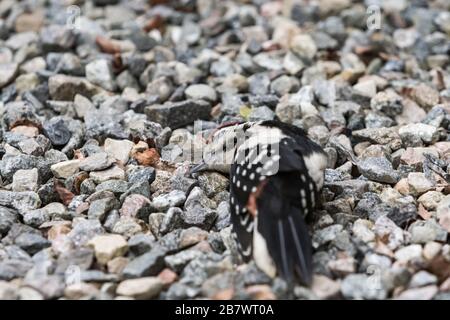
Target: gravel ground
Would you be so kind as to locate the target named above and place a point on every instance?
(99, 101)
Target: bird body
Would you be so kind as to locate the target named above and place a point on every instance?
(276, 173)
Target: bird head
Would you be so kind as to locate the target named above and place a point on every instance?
(220, 147)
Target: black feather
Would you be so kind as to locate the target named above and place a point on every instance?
(239, 199)
(303, 143)
(281, 222)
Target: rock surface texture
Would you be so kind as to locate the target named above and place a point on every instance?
(102, 116)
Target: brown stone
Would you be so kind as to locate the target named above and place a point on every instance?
(108, 246)
(418, 183)
(58, 230)
(28, 131)
(424, 293)
(424, 213)
(117, 265)
(443, 147)
(132, 204)
(167, 277)
(324, 287)
(415, 156)
(425, 96)
(402, 186)
(30, 21)
(411, 113)
(260, 292)
(225, 294)
(445, 286)
(80, 290)
(342, 266)
(141, 288)
(192, 236)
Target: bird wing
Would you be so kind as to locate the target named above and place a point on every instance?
(242, 216)
(279, 199)
(281, 223)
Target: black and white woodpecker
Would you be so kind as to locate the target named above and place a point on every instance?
(276, 173)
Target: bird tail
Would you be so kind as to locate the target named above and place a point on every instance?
(287, 238)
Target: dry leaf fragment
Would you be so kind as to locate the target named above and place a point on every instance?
(79, 178)
(64, 194)
(155, 22)
(440, 267)
(149, 157)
